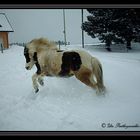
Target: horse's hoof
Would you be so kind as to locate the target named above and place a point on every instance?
(41, 83)
(36, 90)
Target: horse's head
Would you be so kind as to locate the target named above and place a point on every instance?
(30, 57)
(33, 47)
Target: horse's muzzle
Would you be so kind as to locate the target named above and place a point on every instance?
(27, 68)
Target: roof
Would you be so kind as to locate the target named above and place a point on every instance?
(5, 25)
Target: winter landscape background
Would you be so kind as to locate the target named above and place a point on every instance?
(33, 23)
(67, 104)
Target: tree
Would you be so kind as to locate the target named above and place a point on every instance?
(113, 25)
(127, 26)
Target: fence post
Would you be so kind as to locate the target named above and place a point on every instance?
(59, 44)
(1, 47)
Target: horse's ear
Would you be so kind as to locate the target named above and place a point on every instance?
(35, 56)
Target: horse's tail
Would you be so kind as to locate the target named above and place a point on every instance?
(98, 72)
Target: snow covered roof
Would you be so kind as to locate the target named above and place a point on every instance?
(5, 25)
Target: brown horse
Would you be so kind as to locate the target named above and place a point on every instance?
(52, 62)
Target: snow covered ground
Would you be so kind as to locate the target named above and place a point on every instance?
(67, 104)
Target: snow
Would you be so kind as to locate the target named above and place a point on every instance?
(66, 104)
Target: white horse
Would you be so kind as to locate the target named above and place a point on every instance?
(52, 62)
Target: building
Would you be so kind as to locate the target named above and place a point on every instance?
(5, 28)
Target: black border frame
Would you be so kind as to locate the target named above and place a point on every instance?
(69, 133)
(66, 6)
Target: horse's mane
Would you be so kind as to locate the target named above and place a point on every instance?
(44, 42)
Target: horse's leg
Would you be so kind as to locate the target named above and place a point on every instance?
(101, 88)
(37, 76)
(40, 79)
(95, 83)
(85, 75)
(98, 73)
(35, 84)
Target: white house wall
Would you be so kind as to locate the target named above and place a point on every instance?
(34, 23)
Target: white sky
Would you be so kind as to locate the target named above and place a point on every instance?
(32, 23)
